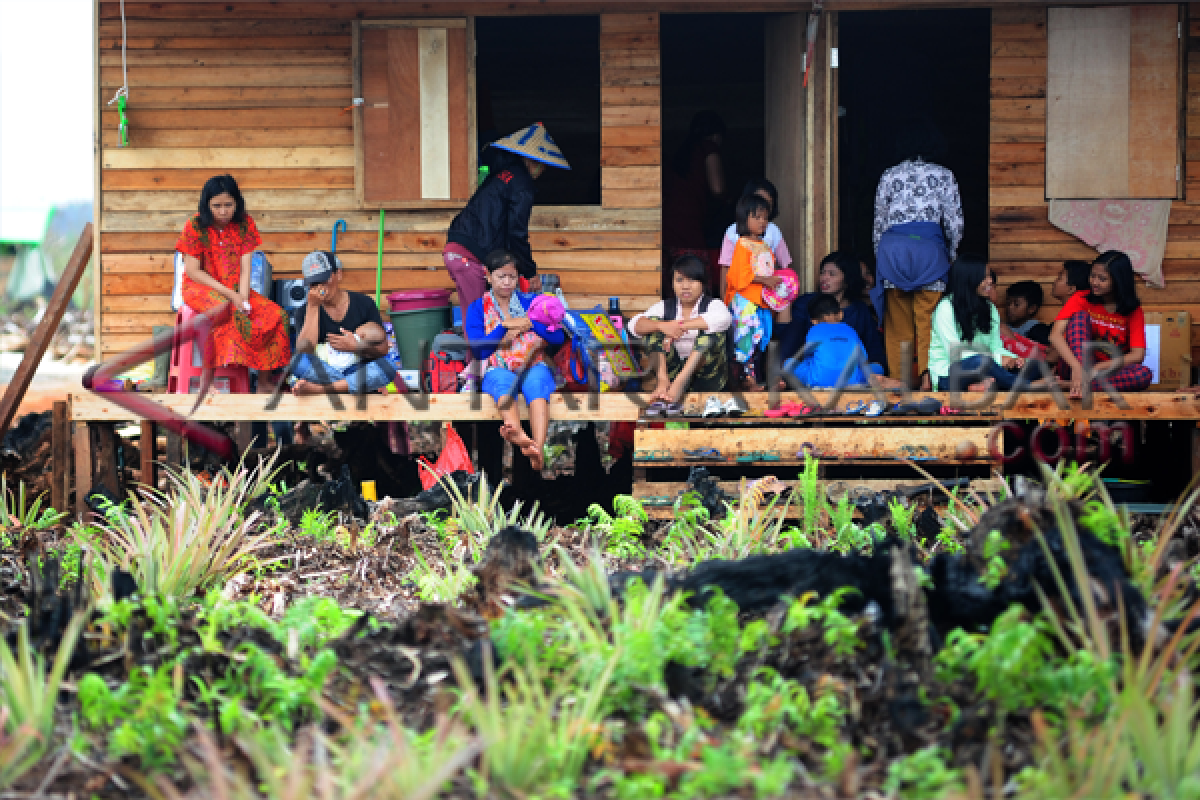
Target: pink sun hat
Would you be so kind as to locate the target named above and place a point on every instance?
(782, 296)
(548, 310)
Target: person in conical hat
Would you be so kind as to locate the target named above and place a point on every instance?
(497, 215)
(497, 218)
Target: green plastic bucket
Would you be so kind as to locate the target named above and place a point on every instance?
(413, 327)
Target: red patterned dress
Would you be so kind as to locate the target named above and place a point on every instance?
(257, 339)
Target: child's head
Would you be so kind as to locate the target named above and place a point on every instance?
(502, 271)
(753, 213)
(1073, 278)
(689, 279)
(824, 308)
(767, 191)
(1022, 302)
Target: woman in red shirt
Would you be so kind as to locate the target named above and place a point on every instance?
(218, 243)
(1110, 313)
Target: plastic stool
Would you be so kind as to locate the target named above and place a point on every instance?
(187, 365)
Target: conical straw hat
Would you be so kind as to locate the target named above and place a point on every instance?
(533, 142)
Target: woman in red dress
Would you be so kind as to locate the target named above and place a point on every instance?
(218, 244)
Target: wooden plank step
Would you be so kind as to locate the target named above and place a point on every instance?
(944, 444)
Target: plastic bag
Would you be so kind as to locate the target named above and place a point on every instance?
(454, 456)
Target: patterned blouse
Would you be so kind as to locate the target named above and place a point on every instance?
(917, 191)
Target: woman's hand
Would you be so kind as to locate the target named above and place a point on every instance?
(517, 325)
(239, 300)
(1076, 382)
(671, 328)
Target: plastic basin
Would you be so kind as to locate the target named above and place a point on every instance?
(419, 299)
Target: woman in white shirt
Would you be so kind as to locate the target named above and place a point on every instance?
(685, 336)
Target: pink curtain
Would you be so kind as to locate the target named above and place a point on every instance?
(1136, 227)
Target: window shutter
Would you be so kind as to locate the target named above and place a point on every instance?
(415, 129)
(1112, 102)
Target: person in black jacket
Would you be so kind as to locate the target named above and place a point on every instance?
(497, 215)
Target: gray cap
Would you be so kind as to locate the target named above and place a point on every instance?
(318, 266)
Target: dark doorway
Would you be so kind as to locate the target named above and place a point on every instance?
(544, 69)
(896, 65)
(714, 62)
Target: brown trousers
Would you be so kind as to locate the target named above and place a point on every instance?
(908, 317)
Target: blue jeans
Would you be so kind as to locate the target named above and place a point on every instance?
(535, 383)
(967, 371)
(376, 374)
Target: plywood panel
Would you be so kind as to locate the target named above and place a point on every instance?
(1087, 102)
(401, 178)
(434, 105)
(1154, 101)
(786, 141)
(630, 116)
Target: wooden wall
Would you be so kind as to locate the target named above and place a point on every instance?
(1023, 243)
(259, 90)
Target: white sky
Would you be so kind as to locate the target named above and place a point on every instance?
(45, 103)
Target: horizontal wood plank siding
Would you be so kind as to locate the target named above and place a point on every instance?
(259, 90)
(1023, 245)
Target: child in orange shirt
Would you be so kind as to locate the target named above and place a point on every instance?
(752, 270)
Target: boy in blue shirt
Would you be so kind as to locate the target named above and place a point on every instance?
(829, 347)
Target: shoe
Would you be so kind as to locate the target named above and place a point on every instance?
(712, 407)
(734, 408)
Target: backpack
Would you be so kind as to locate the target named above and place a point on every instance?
(671, 307)
(447, 359)
(592, 336)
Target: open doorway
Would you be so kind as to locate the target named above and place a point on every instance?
(713, 66)
(560, 88)
(897, 65)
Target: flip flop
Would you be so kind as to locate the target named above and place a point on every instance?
(775, 413)
(673, 409)
(657, 500)
(928, 406)
(652, 455)
(655, 409)
(921, 453)
(808, 449)
(748, 457)
(947, 411)
(704, 454)
(857, 407)
(769, 455)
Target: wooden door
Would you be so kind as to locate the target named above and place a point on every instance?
(801, 136)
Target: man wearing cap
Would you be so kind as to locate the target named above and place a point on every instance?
(348, 324)
(497, 215)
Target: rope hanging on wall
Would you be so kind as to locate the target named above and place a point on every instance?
(121, 98)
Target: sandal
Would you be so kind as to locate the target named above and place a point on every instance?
(655, 409)
(922, 453)
(775, 413)
(928, 406)
(855, 408)
(657, 500)
(808, 449)
(748, 457)
(703, 454)
(769, 455)
(652, 455)
(947, 411)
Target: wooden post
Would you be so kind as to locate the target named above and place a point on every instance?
(174, 457)
(60, 448)
(148, 448)
(243, 435)
(104, 443)
(46, 328)
(83, 465)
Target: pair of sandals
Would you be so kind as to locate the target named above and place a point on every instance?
(660, 409)
(754, 456)
(925, 407)
(652, 455)
(917, 452)
(713, 407)
(703, 454)
(793, 410)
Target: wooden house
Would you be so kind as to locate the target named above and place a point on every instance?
(336, 110)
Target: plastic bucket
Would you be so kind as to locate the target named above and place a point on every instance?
(413, 327)
(419, 299)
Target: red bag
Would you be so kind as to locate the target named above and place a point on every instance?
(1023, 347)
(454, 456)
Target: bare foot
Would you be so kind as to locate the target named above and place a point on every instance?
(307, 388)
(535, 455)
(519, 438)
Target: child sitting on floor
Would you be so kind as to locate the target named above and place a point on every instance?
(830, 345)
(752, 270)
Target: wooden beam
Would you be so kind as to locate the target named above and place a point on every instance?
(867, 442)
(83, 464)
(104, 451)
(614, 406)
(46, 329)
(60, 458)
(147, 446)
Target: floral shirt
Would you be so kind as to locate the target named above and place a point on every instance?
(917, 191)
